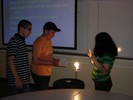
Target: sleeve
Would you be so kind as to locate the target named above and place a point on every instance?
(12, 48)
(108, 60)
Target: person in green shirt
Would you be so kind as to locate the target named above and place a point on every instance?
(102, 59)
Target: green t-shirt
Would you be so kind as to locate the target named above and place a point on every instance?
(97, 75)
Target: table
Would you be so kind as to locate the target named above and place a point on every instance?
(69, 94)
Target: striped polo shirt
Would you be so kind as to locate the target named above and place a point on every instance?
(17, 48)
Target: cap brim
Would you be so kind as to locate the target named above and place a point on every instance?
(58, 30)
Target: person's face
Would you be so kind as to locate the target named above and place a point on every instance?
(51, 33)
(27, 31)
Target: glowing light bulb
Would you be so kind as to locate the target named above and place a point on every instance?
(76, 64)
(119, 49)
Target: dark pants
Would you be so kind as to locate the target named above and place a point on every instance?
(103, 86)
(41, 82)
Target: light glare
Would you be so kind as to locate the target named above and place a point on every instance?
(119, 49)
(76, 64)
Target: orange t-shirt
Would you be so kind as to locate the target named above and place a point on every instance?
(42, 47)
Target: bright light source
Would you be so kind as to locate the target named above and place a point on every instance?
(119, 49)
(76, 64)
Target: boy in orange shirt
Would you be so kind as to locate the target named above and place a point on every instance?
(42, 57)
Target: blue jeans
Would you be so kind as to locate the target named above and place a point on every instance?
(41, 82)
(25, 88)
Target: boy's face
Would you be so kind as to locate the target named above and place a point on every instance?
(51, 33)
(27, 31)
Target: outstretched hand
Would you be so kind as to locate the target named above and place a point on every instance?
(56, 62)
(89, 53)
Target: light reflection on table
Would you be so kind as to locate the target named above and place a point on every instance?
(69, 94)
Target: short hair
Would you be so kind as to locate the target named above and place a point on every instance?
(23, 23)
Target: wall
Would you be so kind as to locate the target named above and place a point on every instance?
(112, 16)
(122, 71)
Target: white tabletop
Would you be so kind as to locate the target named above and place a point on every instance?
(69, 94)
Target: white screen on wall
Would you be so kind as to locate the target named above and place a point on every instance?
(38, 12)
